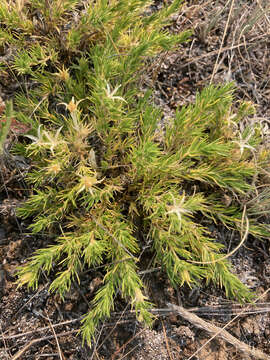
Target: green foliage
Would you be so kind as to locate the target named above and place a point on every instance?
(103, 173)
(5, 122)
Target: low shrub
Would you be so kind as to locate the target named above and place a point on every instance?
(108, 176)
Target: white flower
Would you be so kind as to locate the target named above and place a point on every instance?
(110, 94)
(52, 140)
(37, 138)
(178, 209)
(243, 143)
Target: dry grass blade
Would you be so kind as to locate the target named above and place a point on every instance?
(24, 349)
(166, 340)
(196, 59)
(117, 352)
(57, 342)
(231, 252)
(222, 42)
(232, 309)
(4, 340)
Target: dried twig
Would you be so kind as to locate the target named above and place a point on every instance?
(218, 332)
(27, 346)
(16, 336)
(218, 310)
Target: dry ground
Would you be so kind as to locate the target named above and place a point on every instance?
(231, 41)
